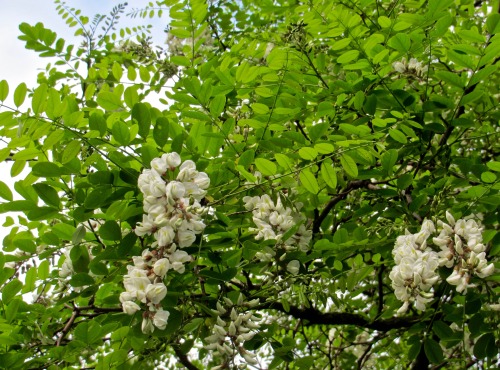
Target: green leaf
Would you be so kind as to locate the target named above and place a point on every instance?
(109, 101)
(81, 279)
(451, 78)
(117, 71)
(384, 21)
(433, 351)
(142, 115)
(329, 175)
(349, 165)
(27, 154)
(97, 122)
(400, 42)
(232, 258)
(462, 60)
(341, 44)
(5, 191)
(389, 159)
(217, 105)
(42, 213)
(494, 166)
(308, 181)
(442, 330)
(48, 194)
(20, 94)
(485, 347)
(88, 332)
(161, 131)
(17, 206)
(348, 56)
(78, 235)
(39, 99)
(493, 23)
(404, 181)
(4, 90)
(98, 268)
(398, 136)
(71, 151)
(308, 154)
(488, 177)
(10, 290)
(121, 132)
(144, 73)
(265, 166)
(97, 197)
(110, 231)
(46, 169)
(30, 280)
(414, 350)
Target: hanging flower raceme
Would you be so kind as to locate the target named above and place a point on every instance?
(462, 249)
(415, 270)
(233, 328)
(273, 221)
(416, 266)
(172, 192)
(413, 67)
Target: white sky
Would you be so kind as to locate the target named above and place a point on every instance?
(20, 65)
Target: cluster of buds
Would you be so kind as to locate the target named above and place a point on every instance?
(172, 193)
(462, 249)
(415, 271)
(273, 221)
(233, 328)
(413, 67)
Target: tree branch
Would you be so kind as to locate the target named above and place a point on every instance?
(341, 196)
(314, 317)
(183, 359)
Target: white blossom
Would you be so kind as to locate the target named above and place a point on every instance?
(160, 319)
(293, 267)
(413, 67)
(147, 325)
(161, 267)
(156, 292)
(130, 307)
(273, 220)
(173, 216)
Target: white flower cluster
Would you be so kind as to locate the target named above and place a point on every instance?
(172, 194)
(415, 270)
(413, 67)
(416, 263)
(233, 329)
(462, 248)
(273, 221)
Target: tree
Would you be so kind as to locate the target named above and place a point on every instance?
(286, 185)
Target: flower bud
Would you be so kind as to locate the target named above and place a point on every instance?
(160, 319)
(293, 267)
(130, 307)
(161, 267)
(172, 160)
(147, 326)
(156, 292)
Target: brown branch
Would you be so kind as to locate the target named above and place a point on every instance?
(312, 316)
(339, 197)
(183, 359)
(301, 129)
(67, 327)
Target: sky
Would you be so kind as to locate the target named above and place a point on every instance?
(20, 65)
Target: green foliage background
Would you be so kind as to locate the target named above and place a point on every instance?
(304, 92)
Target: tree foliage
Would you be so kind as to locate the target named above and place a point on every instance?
(348, 217)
